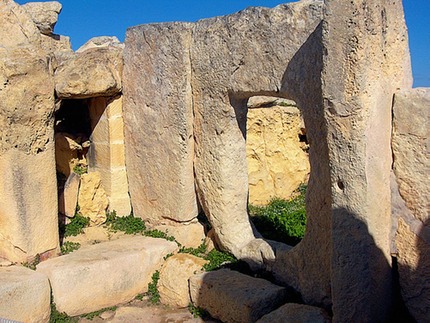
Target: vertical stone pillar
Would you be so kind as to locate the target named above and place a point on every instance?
(107, 151)
(366, 60)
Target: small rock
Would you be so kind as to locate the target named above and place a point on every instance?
(44, 14)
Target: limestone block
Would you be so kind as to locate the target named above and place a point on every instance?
(44, 14)
(174, 275)
(104, 274)
(56, 43)
(296, 313)
(101, 42)
(159, 122)
(411, 124)
(277, 163)
(95, 72)
(359, 78)
(234, 297)
(68, 199)
(25, 295)
(413, 247)
(188, 235)
(92, 199)
(68, 150)
(16, 26)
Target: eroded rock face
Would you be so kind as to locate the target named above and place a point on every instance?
(92, 198)
(101, 42)
(44, 14)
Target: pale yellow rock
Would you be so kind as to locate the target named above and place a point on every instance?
(68, 199)
(100, 42)
(277, 163)
(174, 275)
(44, 14)
(95, 235)
(68, 153)
(25, 295)
(56, 43)
(189, 235)
(92, 199)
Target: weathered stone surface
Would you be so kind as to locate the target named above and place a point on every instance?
(107, 151)
(44, 14)
(16, 27)
(153, 314)
(277, 160)
(160, 154)
(68, 152)
(95, 72)
(25, 295)
(188, 235)
(101, 42)
(413, 247)
(95, 235)
(68, 199)
(92, 199)
(104, 274)
(411, 124)
(233, 297)
(56, 43)
(174, 275)
(28, 198)
(366, 60)
(296, 313)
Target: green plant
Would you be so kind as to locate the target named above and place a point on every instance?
(69, 247)
(128, 224)
(57, 317)
(76, 225)
(168, 256)
(197, 311)
(92, 315)
(80, 169)
(282, 220)
(217, 259)
(200, 251)
(153, 294)
(158, 234)
(32, 264)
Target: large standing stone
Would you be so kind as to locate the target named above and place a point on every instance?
(44, 14)
(234, 297)
(174, 275)
(25, 295)
(366, 60)
(104, 274)
(68, 199)
(158, 116)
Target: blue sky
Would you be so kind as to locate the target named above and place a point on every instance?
(84, 19)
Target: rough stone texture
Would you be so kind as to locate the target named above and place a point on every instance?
(25, 295)
(174, 275)
(107, 151)
(101, 42)
(188, 235)
(95, 235)
(159, 122)
(92, 199)
(277, 162)
(95, 72)
(233, 297)
(296, 313)
(104, 274)
(414, 268)
(44, 14)
(68, 199)
(28, 221)
(56, 43)
(68, 152)
(411, 124)
(366, 60)
(153, 314)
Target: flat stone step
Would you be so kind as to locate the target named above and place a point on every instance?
(296, 313)
(25, 295)
(234, 297)
(104, 274)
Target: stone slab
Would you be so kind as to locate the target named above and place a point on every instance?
(296, 313)
(104, 274)
(25, 295)
(234, 297)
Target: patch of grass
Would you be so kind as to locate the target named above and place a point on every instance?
(217, 259)
(282, 220)
(92, 315)
(128, 224)
(80, 169)
(69, 247)
(32, 264)
(197, 311)
(153, 294)
(57, 317)
(76, 225)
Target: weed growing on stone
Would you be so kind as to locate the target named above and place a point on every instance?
(76, 225)
(217, 259)
(282, 220)
(152, 293)
(69, 247)
(32, 264)
(80, 170)
(158, 234)
(128, 224)
(197, 311)
(57, 317)
(200, 251)
(92, 315)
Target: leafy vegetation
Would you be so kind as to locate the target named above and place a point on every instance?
(128, 224)
(92, 315)
(153, 294)
(216, 259)
(80, 169)
(282, 220)
(158, 234)
(197, 311)
(76, 225)
(32, 264)
(69, 247)
(57, 317)
(200, 251)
